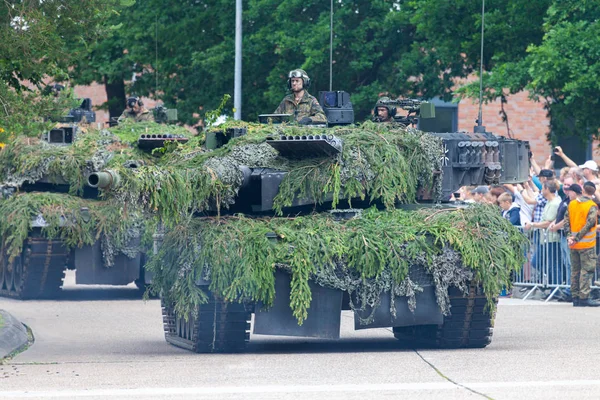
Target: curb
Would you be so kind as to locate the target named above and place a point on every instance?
(13, 335)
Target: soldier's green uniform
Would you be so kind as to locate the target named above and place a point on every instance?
(144, 115)
(583, 261)
(307, 107)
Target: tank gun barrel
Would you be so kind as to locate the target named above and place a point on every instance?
(405, 104)
(104, 179)
(416, 109)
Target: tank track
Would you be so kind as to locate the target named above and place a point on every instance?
(219, 327)
(470, 324)
(37, 273)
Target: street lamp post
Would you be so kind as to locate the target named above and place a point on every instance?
(237, 90)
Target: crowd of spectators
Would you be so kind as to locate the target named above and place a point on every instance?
(538, 207)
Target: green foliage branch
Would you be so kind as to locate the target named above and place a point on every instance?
(74, 220)
(237, 257)
(378, 162)
(27, 159)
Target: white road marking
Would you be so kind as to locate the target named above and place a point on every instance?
(153, 392)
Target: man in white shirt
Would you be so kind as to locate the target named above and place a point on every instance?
(526, 208)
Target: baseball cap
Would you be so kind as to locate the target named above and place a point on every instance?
(576, 188)
(590, 164)
(480, 190)
(546, 173)
(590, 183)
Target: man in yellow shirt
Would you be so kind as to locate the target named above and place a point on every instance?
(581, 221)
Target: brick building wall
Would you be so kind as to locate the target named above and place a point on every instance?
(527, 121)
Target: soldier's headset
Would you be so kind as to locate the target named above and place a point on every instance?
(131, 101)
(391, 110)
(298, 73)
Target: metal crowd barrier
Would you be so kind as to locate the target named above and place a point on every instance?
(548, 263)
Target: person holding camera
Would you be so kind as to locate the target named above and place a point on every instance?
(136, 111)
(304, 107)
(589, 168)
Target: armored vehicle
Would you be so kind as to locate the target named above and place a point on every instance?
(53, 212)
(295, 224)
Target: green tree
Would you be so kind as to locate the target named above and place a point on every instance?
(448, 37)
(562, 69)
(155, 41)
(39, 40)
(186, 50)
(107, 62)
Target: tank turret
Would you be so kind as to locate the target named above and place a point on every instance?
(465, 159)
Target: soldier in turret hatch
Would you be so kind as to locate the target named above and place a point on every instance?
(54, 89)
(135, 110)
(304, 107)
(383, 112)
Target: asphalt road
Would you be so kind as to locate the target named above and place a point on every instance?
(99, 344)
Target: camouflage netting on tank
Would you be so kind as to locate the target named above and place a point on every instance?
(28, 160)
(364, 256)
(75, 220)
(378, 162)
(129, 131)
(33, 160)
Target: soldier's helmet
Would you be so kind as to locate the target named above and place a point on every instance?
(54, 89)
(132, 100)
(384, 102)
(298, 73)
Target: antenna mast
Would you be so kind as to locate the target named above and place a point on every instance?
(479, 128)
(156, 56)
(331, 47)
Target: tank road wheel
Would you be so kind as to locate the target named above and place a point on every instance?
(9, 273)
(470, 325)
(220, 327)
(18, 272)
(37, 273)
(3, 272)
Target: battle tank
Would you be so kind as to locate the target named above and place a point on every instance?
(295, 224)
(53, 215)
